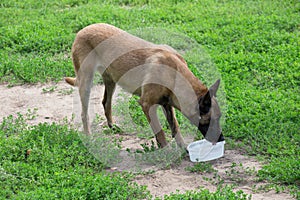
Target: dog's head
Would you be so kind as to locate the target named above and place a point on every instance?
(210, 114)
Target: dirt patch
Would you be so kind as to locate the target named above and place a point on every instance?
(233, 169)
(55, 102)
(46, 102)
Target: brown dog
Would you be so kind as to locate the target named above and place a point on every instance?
(156, 73)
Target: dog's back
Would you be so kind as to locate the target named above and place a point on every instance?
(116, 52)
(108, 44)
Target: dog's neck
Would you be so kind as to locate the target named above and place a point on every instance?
(187, 100)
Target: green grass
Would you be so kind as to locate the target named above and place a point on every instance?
(225, 193)
(50, 161)
(201, 167)
(254, 44)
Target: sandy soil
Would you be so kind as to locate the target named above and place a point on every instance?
(54, 102)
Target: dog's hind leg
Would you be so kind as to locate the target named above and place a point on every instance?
(84, 92)
(110, 86)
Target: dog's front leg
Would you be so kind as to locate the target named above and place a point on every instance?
(151, 114)
(171, 118)
(110, 86)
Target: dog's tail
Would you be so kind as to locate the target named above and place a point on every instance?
(71, 81)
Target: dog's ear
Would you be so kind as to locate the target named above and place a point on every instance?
(214, 88)
(205, 103)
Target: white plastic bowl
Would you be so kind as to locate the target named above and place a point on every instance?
(203, 150)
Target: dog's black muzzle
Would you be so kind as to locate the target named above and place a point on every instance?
(204, 128)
